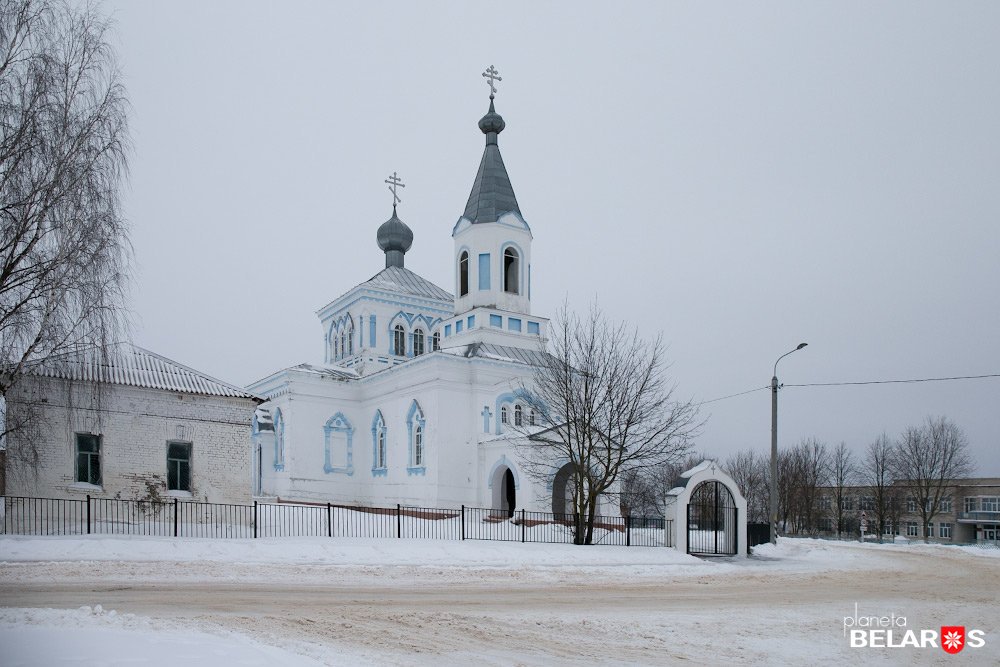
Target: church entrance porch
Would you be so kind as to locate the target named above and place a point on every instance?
(504, 487)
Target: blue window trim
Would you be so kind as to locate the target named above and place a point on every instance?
(513, 324)
(338, 424)
(371, 331)
(447, 330)
(458, 326)
(508, 398)
(378, 427)
(415, 417)
(470, 323)
(533, 328)
(496, 321)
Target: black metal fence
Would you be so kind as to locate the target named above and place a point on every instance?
(55, 516)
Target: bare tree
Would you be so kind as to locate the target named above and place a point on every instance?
(878, 475)
(750, 471)
(606, 407)
(843, 475)
(814, 470)
(802, 473)
(928, 459)
(64, 250)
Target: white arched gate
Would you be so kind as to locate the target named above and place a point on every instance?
(709, 512)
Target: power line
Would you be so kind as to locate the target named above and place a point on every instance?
(841, 384)
(748, 391)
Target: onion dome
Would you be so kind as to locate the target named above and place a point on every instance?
(394, 238)
(491, 124)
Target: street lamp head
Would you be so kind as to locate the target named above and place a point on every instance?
(801, 345)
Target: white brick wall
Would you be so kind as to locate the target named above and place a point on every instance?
(135, 425)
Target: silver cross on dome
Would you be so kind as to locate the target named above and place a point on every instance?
(394, 182)
(492, 75)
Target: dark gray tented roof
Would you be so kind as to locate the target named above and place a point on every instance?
(492, 194)
(403, 281)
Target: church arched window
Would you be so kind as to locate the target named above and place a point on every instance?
(463, 274)
(349, 340)
(531, 417)
(511, 270)
(416, 426)
(503, 415)
(436, 341)
(517, 415)
(279, 440)
(418, 446)
(418, 342)
(399, 340)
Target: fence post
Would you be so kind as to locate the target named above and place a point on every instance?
(329, 521)
(628, 530)
(175, 517)
(463, 522)
(255, 519)
(88, 514)
(399, 524)
(523, 525)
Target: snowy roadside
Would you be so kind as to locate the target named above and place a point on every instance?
(398, 589)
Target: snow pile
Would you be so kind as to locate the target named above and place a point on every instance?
(90, 636)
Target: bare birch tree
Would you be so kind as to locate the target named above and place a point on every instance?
(606, 406)
(64, 249)
(928, 459)
(878, 474)
(843, 475)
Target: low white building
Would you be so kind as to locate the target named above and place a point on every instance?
(127, 424)
(418, 394)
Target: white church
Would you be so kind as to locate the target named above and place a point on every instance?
(416, 400)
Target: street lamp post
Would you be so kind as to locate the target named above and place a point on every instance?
(774, 445)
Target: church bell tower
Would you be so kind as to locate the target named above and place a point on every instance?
(492, 241)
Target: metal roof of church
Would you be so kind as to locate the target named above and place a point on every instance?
(517, 355)
(403, 281)
(133, 366)
(492, 194)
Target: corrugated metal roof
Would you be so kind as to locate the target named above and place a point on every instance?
(403, 281)
(335, 372)
(133, 366)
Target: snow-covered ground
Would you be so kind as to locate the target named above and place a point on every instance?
(104, 600)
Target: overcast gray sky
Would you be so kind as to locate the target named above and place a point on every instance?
(740, 177)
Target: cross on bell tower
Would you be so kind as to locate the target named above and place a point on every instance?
(394, 182)
(492, 75)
